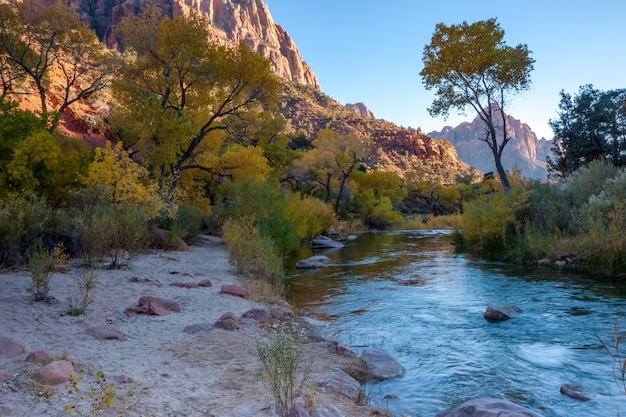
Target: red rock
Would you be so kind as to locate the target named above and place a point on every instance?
(105, 332)
(187, 274)
(56, 372)
(228, 322)
(205, 283)
(153, 306)
(9, 348)
(184, 284)
(40, 356)
(5, 377)
(235, 290)
(167, 304)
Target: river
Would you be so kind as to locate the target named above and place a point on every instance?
(410, 294)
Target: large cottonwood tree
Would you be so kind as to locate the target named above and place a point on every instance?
(180, 93)
(48, 46)
(470, 65)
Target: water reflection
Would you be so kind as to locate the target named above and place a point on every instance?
(410, 294)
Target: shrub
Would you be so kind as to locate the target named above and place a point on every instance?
(86, 281)
(24, 223)
(115, 232)
(285, 369)
(252, 252)
(489, 222)
(42, 263)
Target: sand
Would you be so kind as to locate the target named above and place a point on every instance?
(157, 369)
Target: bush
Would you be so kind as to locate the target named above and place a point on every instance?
(285, 370)
(281, 216)
(115, 232)
(489, 223)
(86, 281)
(252, 252)
(24, 223)
(42, 263)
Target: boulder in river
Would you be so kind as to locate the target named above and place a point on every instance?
(381, 365)
(577, 392)
(501, 312)
(314, 262)
(324, 242)
(489, 407)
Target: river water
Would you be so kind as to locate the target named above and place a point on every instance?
(410, 294)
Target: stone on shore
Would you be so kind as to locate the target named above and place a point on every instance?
(105, 332)
(234, 290)
(228, 321)
(9, 348)
(488, 407)
(154, 306)
(56, 372)
(184, 284)
(381, 365)
(40, 356)
(338, 381)
(501, 312)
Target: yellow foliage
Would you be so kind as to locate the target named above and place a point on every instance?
(240, 162)
(124, 181)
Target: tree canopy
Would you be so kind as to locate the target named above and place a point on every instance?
(181, 93)
(37, 40)
(590, 126)
(470, 65)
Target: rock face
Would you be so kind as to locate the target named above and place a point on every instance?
(231, 21)
(524, 149)
(361, 109)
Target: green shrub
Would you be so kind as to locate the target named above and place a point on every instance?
(42, 263)
(86, 281)
(276, 213)
(252, 252)
(24, 223)
(112, 232)
(489, 222)
(285, 369)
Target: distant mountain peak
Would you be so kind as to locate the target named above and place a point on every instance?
(524, 150)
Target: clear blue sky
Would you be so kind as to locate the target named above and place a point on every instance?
(371, 51)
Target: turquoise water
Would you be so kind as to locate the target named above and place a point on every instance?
(412, 295)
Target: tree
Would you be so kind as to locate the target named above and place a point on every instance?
(329, 165)
(590, 126)
(37, 40)
(180, 93)
(471, 65)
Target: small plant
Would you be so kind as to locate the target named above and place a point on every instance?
(284, 370)
(41, 265)
(100, 397)
(86, 280)
(619, 359)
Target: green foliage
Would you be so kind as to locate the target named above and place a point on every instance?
(42, 262)
(24, 223)
(46, 165)
(252, 252)
(114, 232)
(591, 126)
(40, 39)
(490, 224)
(285, 370)
(180, 93)
(471, 65)
(376, 212)
(86, 281)
(101, 396)
(276, 213)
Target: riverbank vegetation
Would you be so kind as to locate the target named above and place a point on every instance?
(196, 146)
